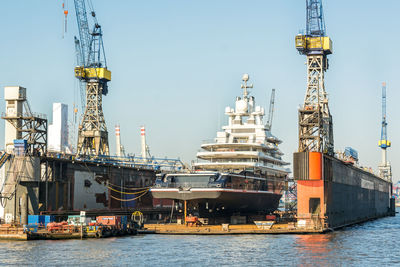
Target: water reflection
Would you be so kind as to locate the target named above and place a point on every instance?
(316, 249)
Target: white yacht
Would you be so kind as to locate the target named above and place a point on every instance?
(241, 171)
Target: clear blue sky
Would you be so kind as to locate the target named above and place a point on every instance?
(177, 64)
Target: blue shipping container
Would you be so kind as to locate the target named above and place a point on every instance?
(36, 219)
(48, 219)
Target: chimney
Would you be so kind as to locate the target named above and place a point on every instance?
(118, 140)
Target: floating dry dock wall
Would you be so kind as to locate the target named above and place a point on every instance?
(50, 185)
(332, 193)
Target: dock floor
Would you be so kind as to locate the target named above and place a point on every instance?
(176, 229)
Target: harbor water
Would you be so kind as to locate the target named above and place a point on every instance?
(367, 244)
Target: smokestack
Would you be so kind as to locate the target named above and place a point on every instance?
(118, 140)
(143, 141)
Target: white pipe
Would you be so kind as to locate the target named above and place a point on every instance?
(118, 140)
(143, 142)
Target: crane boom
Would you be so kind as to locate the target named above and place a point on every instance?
(83, 28)
(315, 25)
(268, 126)
(79, 62)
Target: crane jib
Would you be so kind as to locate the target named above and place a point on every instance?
(91, 59)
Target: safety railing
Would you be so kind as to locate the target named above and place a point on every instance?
(23, 115)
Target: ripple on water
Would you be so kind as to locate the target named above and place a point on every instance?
(367, 244)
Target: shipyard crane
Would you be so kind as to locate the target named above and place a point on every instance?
(268, 125)
(385, 169)
(315, 120)
(93, 72)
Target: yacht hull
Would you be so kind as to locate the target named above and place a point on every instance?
(223, 200)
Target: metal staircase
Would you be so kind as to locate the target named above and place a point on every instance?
(13, 177)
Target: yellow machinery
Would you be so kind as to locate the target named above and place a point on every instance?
(92, 73)
(306, 44)
(384, 143)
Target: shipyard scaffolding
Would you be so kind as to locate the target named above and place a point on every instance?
(21, 123)
(92, 132)
(25, 144)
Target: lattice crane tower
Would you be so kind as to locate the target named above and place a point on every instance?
(315, 120)
(385, 169)
(92, 132)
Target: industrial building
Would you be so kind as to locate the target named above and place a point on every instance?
(58, 130)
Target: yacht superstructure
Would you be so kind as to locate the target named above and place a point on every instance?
(246, 143)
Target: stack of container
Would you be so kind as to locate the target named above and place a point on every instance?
(20, 147)
(40, 219)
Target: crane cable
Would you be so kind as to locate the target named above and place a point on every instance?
(126, 200)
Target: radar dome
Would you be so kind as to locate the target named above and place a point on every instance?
(241, 106)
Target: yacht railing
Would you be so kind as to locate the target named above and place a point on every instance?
(209, 141)
(185, 185)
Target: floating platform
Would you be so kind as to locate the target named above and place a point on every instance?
(10, 232)
(18, 233)
(225, 229)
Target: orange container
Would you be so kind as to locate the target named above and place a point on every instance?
(315, 165)
(109, 220)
